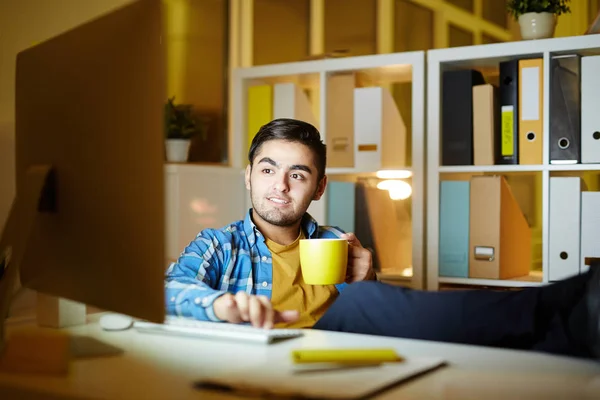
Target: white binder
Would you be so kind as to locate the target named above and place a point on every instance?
(590, 109)
(379, 130)
(290, 101)
(565, 220)
(590, 227)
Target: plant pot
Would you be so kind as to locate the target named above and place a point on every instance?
(537, 25)
(177, 150)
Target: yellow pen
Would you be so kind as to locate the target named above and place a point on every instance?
(345, 356)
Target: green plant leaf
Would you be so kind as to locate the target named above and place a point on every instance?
(180, 121)
(517, 8)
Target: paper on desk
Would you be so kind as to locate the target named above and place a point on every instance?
(345, 382)
(36, 351)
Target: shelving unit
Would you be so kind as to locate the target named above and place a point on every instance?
(489, 168)
(486, 58)
(535, 278)
(381, 70)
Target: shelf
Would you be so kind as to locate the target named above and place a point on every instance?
(395, 279)
(382, 276)
(490, 168)
(574, 167)
(487, 55)
(378, 70)
(355, 171)
(530, 184)
(305, 81)
(385, 75)
(192, 167)
(379, 67)
(533, 279)
(516, 168)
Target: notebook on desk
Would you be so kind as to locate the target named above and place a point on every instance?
(343, 382)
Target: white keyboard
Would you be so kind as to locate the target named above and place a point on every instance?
(216, 330)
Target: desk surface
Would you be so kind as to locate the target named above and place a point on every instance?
(160, 367)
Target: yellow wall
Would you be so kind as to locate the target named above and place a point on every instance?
(279, 31)
(196, 46)
(23, 23)
(576, 22)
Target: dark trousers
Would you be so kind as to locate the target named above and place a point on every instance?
(551, 318)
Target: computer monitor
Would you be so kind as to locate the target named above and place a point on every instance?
(89, 127)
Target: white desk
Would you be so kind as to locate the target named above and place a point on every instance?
(161, 367)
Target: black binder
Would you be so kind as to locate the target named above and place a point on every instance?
(507, 143)
(565, 109)
(457, 116)
(362, 223)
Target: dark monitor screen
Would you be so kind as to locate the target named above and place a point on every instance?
(89, 106)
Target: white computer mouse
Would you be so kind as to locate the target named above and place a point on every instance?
(115, 322)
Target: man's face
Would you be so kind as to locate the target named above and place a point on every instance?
(283, 181)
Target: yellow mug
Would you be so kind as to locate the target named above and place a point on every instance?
(323, 261)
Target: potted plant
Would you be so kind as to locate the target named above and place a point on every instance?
(537, 18)
(180, 127)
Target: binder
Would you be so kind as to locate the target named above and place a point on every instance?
(590, 109)
(454, 229)
(531, 105)
(508, 146)
(379, 130)
(486, 124)
(457, 116)
(590, 228)
(364, 228)
(564, 233)
(290, 101)
(384, 227)
(340, 120)
(340, 205)
(565, 109)
(260, 109)
(392, 229)
(499, 236)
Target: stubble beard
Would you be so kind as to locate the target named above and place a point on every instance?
(274, 216)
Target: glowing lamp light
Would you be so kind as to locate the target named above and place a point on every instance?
(394, 174)
(386, 185)
(398, 190)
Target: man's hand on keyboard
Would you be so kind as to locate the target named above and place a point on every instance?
(249, 308)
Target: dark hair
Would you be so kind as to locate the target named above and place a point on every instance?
(292, 130)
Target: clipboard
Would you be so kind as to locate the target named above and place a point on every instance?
(357, 382)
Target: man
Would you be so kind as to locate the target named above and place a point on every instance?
(249, 271)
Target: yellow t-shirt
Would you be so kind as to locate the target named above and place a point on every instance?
(289, 290)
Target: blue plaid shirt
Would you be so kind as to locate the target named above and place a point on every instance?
(229, 259)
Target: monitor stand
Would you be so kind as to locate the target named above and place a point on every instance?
(38, 196)
(17, 231)
(57, 312)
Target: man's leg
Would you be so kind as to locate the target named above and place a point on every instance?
(533, 318)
